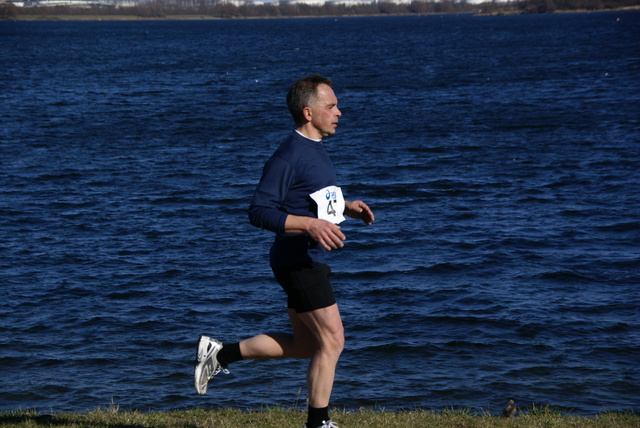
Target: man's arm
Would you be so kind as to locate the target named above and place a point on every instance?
(324, 232)
(277, 177)
(327, 234)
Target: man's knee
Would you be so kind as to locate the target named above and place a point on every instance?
(336, 344)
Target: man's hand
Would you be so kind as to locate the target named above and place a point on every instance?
(325, 233)
(359, 210)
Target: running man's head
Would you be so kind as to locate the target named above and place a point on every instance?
(314, 106)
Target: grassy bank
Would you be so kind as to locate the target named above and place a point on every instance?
(276, 418)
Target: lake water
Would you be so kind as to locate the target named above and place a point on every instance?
(501, 156)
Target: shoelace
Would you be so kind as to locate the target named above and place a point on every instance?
(219, 369)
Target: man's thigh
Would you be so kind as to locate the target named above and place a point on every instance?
(307, 286)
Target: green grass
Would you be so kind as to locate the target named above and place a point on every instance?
(536, 417)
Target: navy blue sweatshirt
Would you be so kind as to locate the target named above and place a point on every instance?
(298, 168)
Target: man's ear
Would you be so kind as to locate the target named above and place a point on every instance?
(306, 112)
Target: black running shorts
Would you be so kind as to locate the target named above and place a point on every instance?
(307, 286)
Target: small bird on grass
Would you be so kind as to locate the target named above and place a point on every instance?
(509, 410)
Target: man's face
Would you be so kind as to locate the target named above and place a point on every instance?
(324, 112)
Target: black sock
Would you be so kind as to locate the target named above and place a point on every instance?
(317, 415)
(229, 354)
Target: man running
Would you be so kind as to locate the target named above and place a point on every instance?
(298, 199)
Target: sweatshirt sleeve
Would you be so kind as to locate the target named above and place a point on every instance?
(268, 209)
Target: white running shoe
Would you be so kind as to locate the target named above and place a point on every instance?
(207, 365)
(325, 424)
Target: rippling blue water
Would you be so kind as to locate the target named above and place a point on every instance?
(500, 155)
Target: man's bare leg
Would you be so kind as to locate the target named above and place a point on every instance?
(326, 326)
(318, 335)
(299, 344)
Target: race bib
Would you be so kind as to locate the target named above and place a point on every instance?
(330, 204)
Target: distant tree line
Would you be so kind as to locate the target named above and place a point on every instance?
(222, 9)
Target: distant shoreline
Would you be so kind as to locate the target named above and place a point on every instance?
(200, 17)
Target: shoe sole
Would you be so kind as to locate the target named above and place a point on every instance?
(201, 374)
